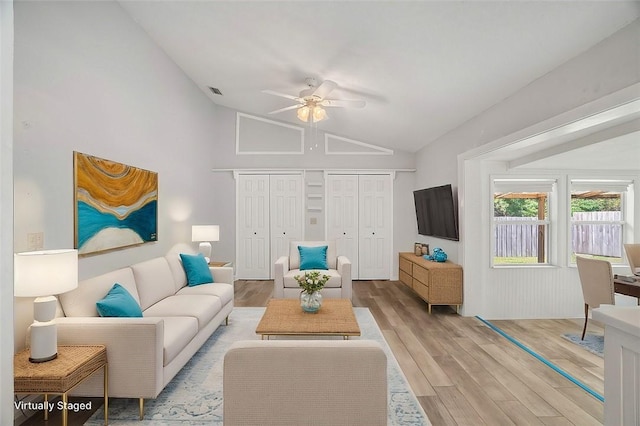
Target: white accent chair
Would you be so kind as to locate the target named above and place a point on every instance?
(287, 267)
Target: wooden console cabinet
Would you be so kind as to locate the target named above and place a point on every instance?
(437, 283)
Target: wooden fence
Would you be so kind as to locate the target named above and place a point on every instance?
(521, 240)
(600, 240)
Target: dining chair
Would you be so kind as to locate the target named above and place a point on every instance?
(633, 256)
(596, 278)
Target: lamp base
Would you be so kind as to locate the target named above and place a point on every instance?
(44, 341)
(205, 249)
(49, 358)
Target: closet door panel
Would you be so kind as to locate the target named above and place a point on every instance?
(342, 216)
(374, 231)
(287, 212)
(253, 227)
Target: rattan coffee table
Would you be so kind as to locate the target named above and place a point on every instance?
(285, 317)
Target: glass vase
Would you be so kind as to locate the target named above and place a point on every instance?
(310, 302)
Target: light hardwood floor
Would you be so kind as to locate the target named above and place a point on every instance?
(464, 373)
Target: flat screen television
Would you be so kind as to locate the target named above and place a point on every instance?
(436, 212)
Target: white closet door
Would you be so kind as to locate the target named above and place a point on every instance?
(286, 214)
(342, 216)
(374, 194)
(253, 227)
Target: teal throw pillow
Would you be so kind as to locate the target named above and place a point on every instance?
(313, 257)
(118, 303)
(197, 269)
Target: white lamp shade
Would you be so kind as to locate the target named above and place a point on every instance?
(43, 273)
(205, 233)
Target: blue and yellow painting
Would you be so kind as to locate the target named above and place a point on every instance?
(115, 205)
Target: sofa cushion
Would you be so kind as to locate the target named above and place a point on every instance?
(334, 282)
(178, 332)
(179, 275)
(294, 254)
(197, 269)
(118, 303)
(154, 281)
(81, 302)
(313, 257)
(203, 308)
(223, 291)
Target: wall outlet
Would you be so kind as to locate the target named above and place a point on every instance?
(35, 241)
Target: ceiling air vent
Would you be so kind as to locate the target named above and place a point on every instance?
(215, 91)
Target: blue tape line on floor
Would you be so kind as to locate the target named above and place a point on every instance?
(549, 364)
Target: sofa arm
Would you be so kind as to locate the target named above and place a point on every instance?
(280, 268)
(222, 274)
(344, 269)
(134, 353)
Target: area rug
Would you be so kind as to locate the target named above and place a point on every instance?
(592, 342)
(194, 396)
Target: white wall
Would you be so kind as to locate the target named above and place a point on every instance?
(610, 66)
(88, 79)
(6, 211)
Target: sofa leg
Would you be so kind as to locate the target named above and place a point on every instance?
(141, 409)
(226, 320)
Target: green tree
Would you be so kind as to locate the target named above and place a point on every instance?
(515, 207)
(593, 204)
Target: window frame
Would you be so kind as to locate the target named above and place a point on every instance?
(622, 186)
(525, 185)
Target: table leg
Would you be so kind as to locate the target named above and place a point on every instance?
(106, 394)
(64, 409)
(46, 407)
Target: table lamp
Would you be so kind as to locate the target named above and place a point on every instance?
(41, 274)
(205, 234)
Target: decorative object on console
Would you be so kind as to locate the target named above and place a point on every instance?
(115, 205)
(205, 234)
(311, 284)
(438, 255)
(42, 274)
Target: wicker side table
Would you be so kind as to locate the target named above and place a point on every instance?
(59, 376)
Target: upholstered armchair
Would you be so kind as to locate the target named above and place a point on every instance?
(287, 267)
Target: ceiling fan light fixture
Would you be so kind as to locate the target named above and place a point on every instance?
(319, 114)
(303, 113)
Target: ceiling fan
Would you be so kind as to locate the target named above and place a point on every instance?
(312, 100)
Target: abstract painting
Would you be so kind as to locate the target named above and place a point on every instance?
(115, 205)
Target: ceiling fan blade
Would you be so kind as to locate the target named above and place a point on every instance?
(282, 95)
(285, 109)
(343, 103)
(325, 88)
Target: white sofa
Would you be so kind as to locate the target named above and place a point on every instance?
(304, 382)
(287, 267)
(144, 354)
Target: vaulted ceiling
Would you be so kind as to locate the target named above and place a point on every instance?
(423, 67)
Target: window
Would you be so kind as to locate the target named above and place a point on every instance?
(521, 221)
(598, 219)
